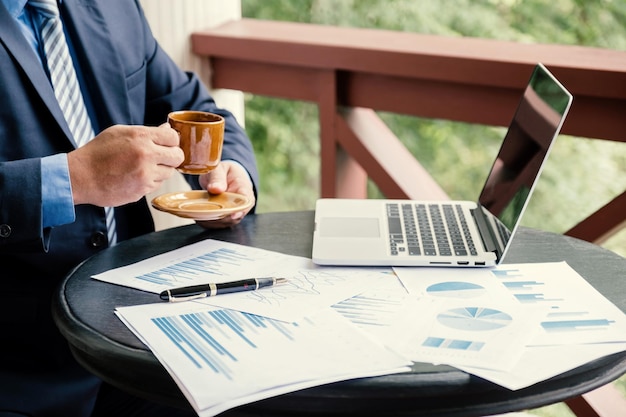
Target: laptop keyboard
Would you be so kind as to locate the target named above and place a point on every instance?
(428, 230)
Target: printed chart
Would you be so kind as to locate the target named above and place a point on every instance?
(474, 318)
(471, 335)
(456, 289)
(369, 310)
(454, 344)
(574, 311)
(206, 338)
(387, 313)
(209, 265)
(548, 302)
(226, 350)
(202, 262)
(309, 287)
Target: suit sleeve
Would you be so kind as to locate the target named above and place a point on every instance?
(20, 206)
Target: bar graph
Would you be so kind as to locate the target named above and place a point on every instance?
(523, 285)
(444, 343)
(199, 263)
(573, 311)
(206, 265)
(535, 298)
(576, 325)
(527, 290)
(209, 339)
(506, 273)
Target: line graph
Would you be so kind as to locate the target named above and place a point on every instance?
(370, 310)
(309, 287)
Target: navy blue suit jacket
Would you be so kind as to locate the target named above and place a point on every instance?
(130, 81)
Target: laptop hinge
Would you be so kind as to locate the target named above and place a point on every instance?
(487, 234)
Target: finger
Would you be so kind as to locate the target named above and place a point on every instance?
(167, 156)
(227, 221)
(164, 135)
(216, 181)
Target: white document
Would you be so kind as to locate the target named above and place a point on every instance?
(309, 287)
(470, 321)
(571, 312)
(576, 313)
(386, 312)
(223, 358)
(540, 363)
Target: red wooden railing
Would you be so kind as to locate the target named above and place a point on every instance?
(351, 73)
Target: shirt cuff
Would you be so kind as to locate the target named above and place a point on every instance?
(56, 191)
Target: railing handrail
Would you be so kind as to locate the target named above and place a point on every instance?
(492, 71)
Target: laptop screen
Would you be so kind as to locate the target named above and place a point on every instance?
(535, 125)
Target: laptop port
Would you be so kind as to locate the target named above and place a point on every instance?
(480, 263)
(463, 262)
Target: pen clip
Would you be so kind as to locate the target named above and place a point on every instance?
(173, 299)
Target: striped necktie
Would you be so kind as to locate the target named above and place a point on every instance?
(65, 84)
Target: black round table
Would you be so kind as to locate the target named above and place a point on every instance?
(83, 310)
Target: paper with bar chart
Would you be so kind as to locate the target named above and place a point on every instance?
(575, 311)
(309, 287)
(224, 358)
(561, 308)
(470, 321)
(201, 262)
(457, 332)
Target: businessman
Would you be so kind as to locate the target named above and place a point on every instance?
(85, 92)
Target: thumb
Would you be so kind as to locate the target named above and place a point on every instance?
(216, 181)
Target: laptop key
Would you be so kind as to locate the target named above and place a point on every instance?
(414, 250)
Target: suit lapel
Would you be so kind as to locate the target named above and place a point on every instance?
(99, 61)
(12, 38)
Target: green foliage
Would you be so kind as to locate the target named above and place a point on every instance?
(287, 151)
(576, 22)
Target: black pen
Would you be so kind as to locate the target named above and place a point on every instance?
(209, 290)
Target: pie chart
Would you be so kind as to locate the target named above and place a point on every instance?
(455, 289)
(474, 318)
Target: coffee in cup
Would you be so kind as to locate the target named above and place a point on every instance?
(201, 139)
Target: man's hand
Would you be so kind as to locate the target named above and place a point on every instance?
(123, 164)
(232, 177)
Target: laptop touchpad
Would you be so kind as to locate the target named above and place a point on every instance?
(349, 227)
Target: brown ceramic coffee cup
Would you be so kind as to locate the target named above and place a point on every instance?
(201, 139)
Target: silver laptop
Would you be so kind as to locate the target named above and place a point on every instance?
(451, 233)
